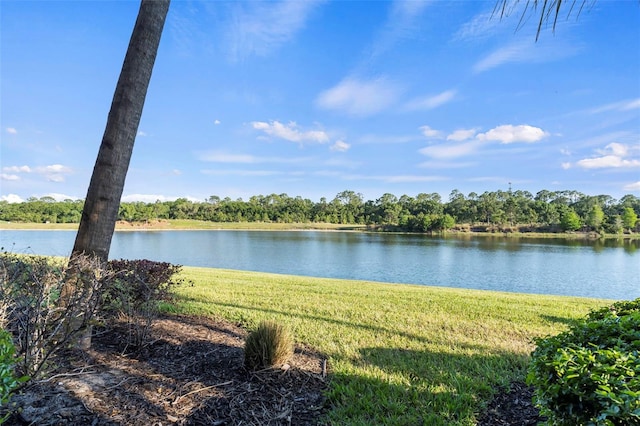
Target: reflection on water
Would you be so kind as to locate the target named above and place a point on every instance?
(593, 268)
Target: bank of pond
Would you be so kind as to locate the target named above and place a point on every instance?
(397, 354)
(604, 268)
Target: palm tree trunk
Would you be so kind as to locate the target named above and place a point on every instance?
(107, 182)
(102, 202)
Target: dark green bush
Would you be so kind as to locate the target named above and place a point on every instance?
(590, 374)
(8, 380)
(270, 345)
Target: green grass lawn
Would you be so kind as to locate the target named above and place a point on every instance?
(398, 354)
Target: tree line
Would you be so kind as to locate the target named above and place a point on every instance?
(547, 211)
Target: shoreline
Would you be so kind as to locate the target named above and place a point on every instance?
(194, 225)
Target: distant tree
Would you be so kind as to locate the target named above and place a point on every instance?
(629, 218)
(388, 209)
(490, 206)
(570, 221)
(614, 224)
(595, 218)
(445, 222)
(348, 206)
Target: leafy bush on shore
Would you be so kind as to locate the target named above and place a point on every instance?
(590, 374)
(8, 380)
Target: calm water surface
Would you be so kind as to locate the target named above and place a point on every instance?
(604, 269)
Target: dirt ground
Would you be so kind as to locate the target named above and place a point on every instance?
(193, 374)
(512, 407)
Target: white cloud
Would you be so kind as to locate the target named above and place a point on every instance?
(152, 198)
(510, 134)
(258, 28)
(487, 179)
(141, 133)
(461, 135)
(54, 168)
(237, 172)
(340, 146)
(566, 166)
(481, 26)
(216, 122)
(17, 169)
(450, 150)
(54, 172)
(342, 162)
(607, 161)
(613, 156)
(387, 139)
(526, 51)
(632, 187)
(61, 197)
(224, 157)
(504, 134)
(626, 105)
(360, 97)
(411, 178)
(430, 133)
(431, 102)
(221, 157)
(384, 178)
(515, 52)
(11, 198)
(290, 132)
(402, 22)
(614, 148)
(12, 131)
(440, 164)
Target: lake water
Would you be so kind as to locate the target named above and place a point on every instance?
(604, 269)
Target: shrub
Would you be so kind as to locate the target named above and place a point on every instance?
(46, 305)
(590, 374)
(134, 293)
(270, 345)
(8, 381)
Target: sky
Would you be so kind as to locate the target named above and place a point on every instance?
(312, 98)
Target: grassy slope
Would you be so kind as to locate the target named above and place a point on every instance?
(398, 354)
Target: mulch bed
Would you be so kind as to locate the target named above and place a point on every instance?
(512, 407)
(193, 374)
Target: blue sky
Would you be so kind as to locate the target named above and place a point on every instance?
(313, 98)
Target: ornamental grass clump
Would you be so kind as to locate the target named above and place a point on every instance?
(590, 374)
(270, 345)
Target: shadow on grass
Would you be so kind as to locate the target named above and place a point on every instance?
(412, 387)
(373, 328)
(558, 320)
